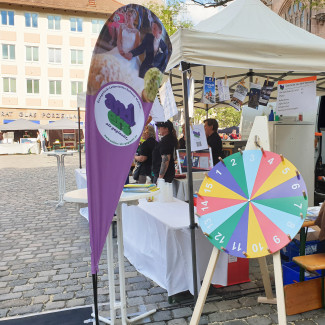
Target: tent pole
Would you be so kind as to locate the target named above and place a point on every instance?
(193, 225)
(79, 134)
(206, 105)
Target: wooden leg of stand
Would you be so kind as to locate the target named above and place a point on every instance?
(205, 287)
(282, 318)
(269, 299)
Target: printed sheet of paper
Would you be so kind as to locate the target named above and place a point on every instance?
(198, 138)
(296, 96)
(223, 90)
(254, 95)
(239, 97)
(167, 100)
(157, 112)
(209, 90)
(266, 92)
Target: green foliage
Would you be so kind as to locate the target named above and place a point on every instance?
(171, 15)
(226, 116)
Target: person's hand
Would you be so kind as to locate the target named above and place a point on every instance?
(128, 56)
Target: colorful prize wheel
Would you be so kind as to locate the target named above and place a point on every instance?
(252, 203)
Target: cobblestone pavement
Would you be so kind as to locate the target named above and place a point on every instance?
(45, 259)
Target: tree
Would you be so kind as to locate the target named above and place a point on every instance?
(226, 116)
(211, 3)
(173, 15)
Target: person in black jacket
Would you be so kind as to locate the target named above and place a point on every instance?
(163, 163)
(213, 138)
(144, 154)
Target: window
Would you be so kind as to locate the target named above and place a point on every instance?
(55, 87)
(31, 20)
(54, 55)
(76, 57)
(296, 14)
(32, 86)
(32, 53)
(9, 85)
(97, 25)
(8, 52)
(7, 18)
(76, 87)
(54, 22)
(76, 24)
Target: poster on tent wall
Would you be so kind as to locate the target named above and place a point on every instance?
(123, 81)
(209, 90)
(254, 95)
(167, 100)
(223, 90)
(238, 97)
(198, 137)
(266, 92)
(296, 96)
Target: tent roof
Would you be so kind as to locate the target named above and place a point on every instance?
(62, 124)
(245, 41)
(21, 124)
(249, 35)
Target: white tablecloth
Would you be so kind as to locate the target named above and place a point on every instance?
(22, 148)
(157, 241)
(180, 190)
(81, 178)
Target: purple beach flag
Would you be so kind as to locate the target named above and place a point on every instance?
(124, 77)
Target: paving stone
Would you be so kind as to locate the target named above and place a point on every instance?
(156, 290)
(180, 321)
(137, 293)
(52, 291)
(39, 279)
(25, 310)
(235, 322)
(162, 315)
(154, 299)
(4, 312)
(10, 296)
(63, 296)
(15, 303)
(41, 299)
(135, 301)
(182, 312)
(60, 277)
(33, 293)
(55, 305)
(75, 302)
(228, 305)
(259, 320)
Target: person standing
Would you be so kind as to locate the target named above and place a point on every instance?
(213, 139)
(163, 163)
(182, 141)
(144, 157)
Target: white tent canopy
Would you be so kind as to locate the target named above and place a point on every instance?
(248, 36)
(21, 124)
(62, 124)
(244, 41)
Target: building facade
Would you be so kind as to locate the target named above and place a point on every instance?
(298, 14)
(46, 48)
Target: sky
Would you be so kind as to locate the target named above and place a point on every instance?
(196, 13)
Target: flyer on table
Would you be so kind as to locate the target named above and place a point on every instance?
(296, 96)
